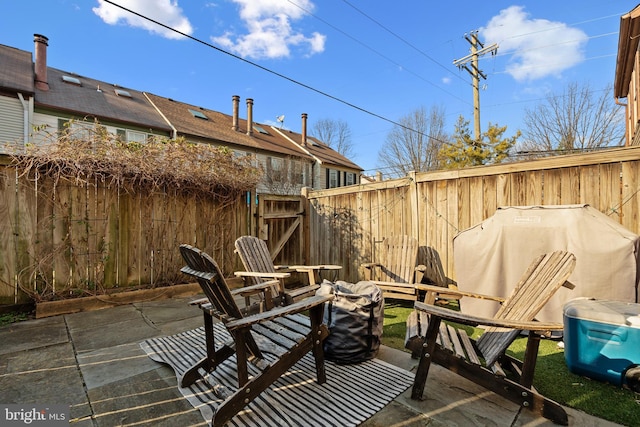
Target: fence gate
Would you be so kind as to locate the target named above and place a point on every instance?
(281, 222)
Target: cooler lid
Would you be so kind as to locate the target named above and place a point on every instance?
(605, 311)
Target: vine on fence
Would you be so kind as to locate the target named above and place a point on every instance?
(88, 158)
(81, 156)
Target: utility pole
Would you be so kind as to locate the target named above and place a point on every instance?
(476, 73)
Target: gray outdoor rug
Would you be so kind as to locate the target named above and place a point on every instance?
(352, 393)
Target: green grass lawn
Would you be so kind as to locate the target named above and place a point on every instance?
(552, 377)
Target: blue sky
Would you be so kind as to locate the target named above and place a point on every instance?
(365, 62)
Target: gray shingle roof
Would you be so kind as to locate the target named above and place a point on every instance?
(217, 126)
(86, 100)
(16, 70)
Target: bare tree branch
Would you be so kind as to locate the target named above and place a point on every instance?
(405, 150)
(336, 134)
(576, 120)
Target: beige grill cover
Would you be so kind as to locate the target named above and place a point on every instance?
(490, 257)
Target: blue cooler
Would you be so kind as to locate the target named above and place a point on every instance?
(601, 338)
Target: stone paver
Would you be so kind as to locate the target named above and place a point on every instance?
(93, 362)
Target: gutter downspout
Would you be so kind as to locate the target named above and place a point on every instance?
(26, 110)
(174, 131)
(627, 131)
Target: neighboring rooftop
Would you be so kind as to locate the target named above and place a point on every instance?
(16, 70)
(219, 127)
(79, 95)
(84, 97)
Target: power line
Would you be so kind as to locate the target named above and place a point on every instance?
(546, 65)
(447, 69)
(517, 51)
(361, 43)
(565, 25)
(525, 101)
(270, 71)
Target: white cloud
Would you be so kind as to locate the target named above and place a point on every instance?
(539, 47)
(165, 11)
(446, 80)
(269, 30)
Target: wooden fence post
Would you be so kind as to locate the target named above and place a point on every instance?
(414, 206)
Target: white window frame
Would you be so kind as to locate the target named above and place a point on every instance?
(350, 179)
(333, 178)
(276, 164)
(134, 136)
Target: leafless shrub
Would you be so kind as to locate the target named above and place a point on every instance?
(192, 169)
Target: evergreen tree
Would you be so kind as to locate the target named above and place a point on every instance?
(492, 147)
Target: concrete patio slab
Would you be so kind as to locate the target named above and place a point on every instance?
(45, 375)
(151, 399)
(112, 364)
(92, 361)
(33, 334)
(88, 337)
(454, 401)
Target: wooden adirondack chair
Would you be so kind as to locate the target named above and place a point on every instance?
(454, 350)
(395, 270)
(430, 271)
(292, 336)
(257, 261)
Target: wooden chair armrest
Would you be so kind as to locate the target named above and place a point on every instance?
(307, 268)
(199, 301)
(296, 307)
(195, 273)
(281, 267)
(457, 292)
(423, 269)
(468, 319)
(248, 290)
(259, 274)
(370, 264)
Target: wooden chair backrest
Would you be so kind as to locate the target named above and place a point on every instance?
(206, 271)
(434, 272)
(255, 256)
(397, 259)
(546, 274)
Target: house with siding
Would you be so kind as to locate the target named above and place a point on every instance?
(17, 89)
(287, 168)
(627, 77)
(33, 95)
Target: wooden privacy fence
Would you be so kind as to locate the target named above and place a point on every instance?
(346, 223)
(89, 239)
(280, 220)
(66, 240)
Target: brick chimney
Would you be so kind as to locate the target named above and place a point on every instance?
(41, 43)
(236, 105)
(249, 116)
(304, 129)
